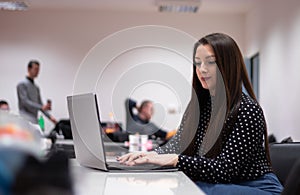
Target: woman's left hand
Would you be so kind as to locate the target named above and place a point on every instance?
(132, 159)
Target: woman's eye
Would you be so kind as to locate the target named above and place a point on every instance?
(211, 62)
(198, 63)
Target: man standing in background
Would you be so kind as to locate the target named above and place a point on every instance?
(29, 98)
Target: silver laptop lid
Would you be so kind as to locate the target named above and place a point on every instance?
(85, 125)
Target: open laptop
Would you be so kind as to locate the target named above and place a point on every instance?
(90, 149)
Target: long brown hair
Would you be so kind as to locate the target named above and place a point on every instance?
(231, 76)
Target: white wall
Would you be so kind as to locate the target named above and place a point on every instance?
(60, 40)
(273, 30)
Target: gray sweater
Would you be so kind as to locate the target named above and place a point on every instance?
(29, 99)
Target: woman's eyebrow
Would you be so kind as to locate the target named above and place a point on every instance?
(211, 56)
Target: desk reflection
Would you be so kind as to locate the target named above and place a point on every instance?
(91, 181)
(142, 183)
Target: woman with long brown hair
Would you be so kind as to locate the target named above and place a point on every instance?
(221, 143)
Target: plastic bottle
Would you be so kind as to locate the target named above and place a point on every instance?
(110, 126)
(42, 123)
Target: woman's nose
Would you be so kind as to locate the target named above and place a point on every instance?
(203, 68)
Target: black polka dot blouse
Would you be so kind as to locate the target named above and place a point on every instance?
(242, 156)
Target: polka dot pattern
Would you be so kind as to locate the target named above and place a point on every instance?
(242, 155)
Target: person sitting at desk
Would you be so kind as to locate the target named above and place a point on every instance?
(221, 143)
(140, 122)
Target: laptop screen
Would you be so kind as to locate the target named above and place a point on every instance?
(86, 130)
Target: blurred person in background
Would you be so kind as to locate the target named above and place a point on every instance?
(140, 122)
(29, 98)
(4, 105)
(25, 166)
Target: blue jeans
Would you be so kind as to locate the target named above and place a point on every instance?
(267, 184)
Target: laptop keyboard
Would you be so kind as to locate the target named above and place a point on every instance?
(144, 167)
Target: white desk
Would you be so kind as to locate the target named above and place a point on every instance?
(91, 181)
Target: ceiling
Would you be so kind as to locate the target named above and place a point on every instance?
(207, 6)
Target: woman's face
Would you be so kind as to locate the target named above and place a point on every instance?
(206, 67)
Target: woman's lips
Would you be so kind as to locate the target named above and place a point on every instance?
(205, 78)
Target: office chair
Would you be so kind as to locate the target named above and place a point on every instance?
(292, 184)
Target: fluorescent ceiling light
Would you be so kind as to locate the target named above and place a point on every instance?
(182, 6)
(13, 5)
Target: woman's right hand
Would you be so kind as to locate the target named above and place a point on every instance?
(129, 159)
(138, 158)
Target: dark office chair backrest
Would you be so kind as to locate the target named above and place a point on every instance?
(283, 157)
(292, 183)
